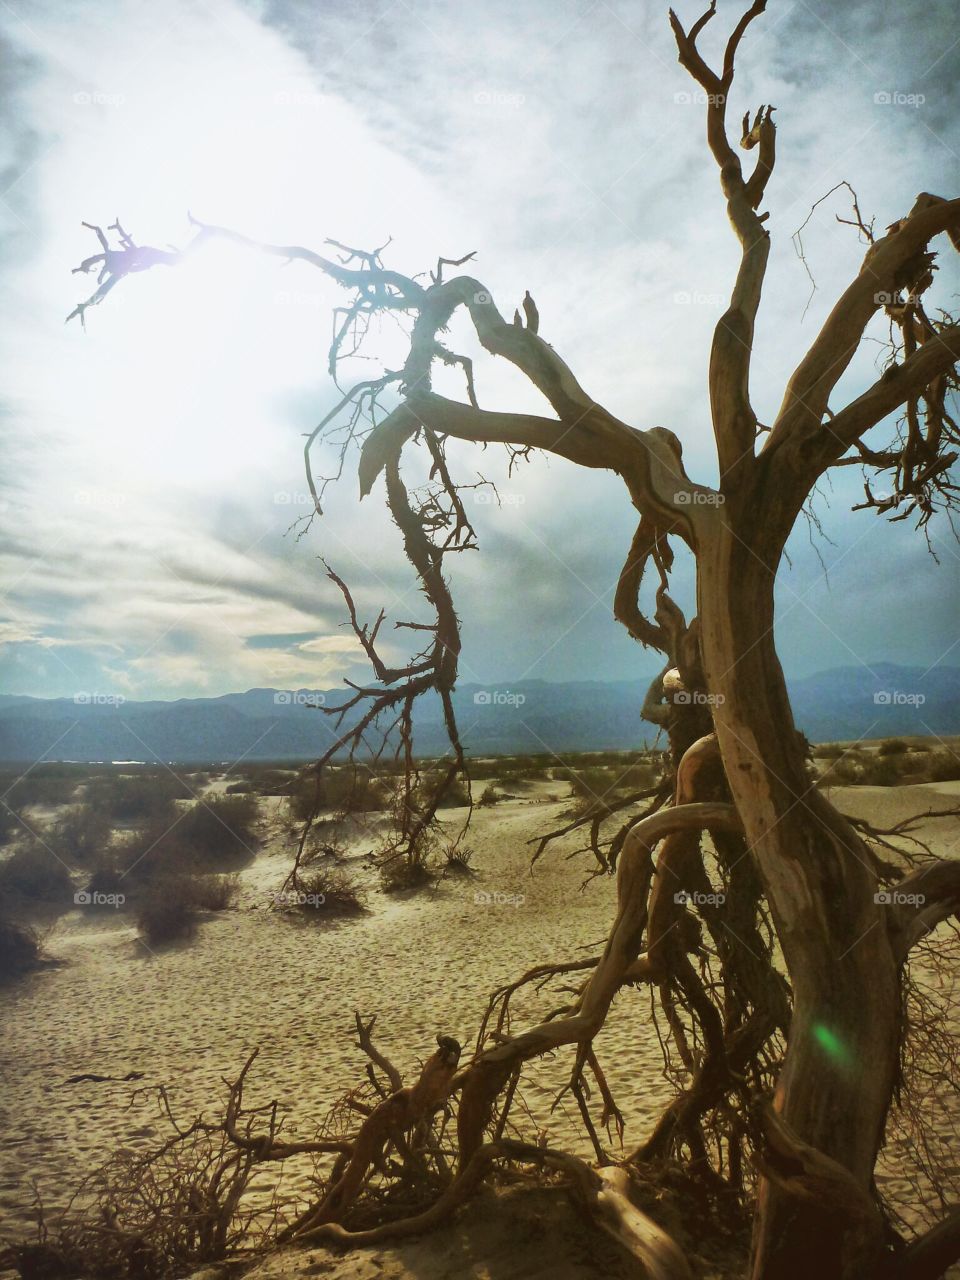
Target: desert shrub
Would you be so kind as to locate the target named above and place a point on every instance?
(892, 747)
(242, 788)
(36, 874)
(883, 771)
(168, 911)
(106, 878)
(828, 751)
(490, 796)
(458, 859)
(327, 893)
(138, 797)
(48, 785)
(223, 827)
(455, 795)
(345, 789)
(81, 834)
(398, 874)
(944, 767)
(10, 824)
(921, 747)
(20, 950)
(216, 893)
(845, 771)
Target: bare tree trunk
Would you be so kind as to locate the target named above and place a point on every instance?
(841, 1059)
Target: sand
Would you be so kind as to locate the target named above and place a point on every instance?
(424, 964)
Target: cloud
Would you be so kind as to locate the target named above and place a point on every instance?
(149, 518)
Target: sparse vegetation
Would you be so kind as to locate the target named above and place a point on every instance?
(169, 908)
(327, 893)
(81, 834)
(34, 874)
(21, 949)
(944, 766)
(140, 797)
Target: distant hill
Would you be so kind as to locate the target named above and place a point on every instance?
(531, 716)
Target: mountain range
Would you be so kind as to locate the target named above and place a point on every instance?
(532, 716)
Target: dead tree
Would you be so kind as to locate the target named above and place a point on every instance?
(827, 1042)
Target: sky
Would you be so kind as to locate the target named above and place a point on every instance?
(153, 464)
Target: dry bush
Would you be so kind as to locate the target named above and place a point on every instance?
(216, 893)
(21, 950)
(35, 874)
(139, 797)
(328, 892)
(944, 767)
(345, 789)
(81, 834)
(489, 797)
(168, 911)
(892, 747)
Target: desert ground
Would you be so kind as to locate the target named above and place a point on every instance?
(187, 1014)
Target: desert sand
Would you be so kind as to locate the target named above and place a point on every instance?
(424, 963)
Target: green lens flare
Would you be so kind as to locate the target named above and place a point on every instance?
(831, 1043)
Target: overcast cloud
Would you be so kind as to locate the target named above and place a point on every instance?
(153, 463)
